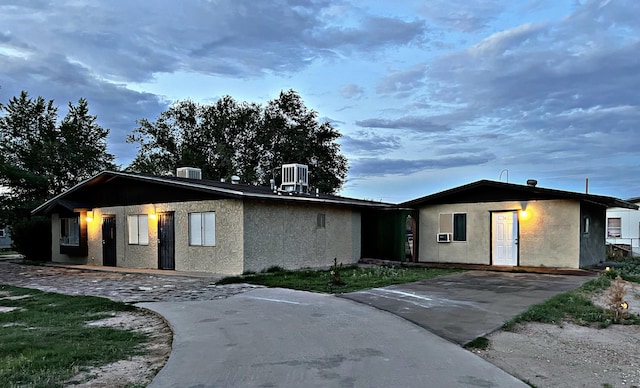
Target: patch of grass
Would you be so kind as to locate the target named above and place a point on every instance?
(7, 252)
(575, 306)
(45, 340)
(355, 278)
(629, 270)
(480, 343)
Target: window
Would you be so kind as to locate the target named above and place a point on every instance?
(460, 227)
(3, 233)
(321, 221)
(138, 229)
(70, 231)
(585, 224)
(455, 225)
(202, 229)
(614, 227)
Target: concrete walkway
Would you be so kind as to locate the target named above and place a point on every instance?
(284, 338)
(467, 305)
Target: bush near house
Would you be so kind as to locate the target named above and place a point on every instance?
(32, 238)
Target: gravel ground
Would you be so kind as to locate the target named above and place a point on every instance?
(567, 356)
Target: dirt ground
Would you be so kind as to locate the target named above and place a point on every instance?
(547, 355)
(543, 355)
(139, 370)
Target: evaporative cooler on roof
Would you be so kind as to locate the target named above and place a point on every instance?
(295, 178)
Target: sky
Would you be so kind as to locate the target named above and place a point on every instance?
(428, 95)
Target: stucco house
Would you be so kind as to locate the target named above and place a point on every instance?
(187, 223)
(623, 228)
(505, 224)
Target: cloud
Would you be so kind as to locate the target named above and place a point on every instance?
(366, 167)
(418, 124)
(462, 15)
(351, 91)
(369, 143)
(403, 81)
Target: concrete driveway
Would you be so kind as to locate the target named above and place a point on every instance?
(464, 306)
(285, 338)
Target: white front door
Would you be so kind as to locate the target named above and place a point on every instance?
(505, 238)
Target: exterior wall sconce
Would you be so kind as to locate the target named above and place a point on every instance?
(89, 216)
(524, 214)
(152, 215)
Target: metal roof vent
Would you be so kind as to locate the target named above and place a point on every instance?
(235, 179)
(189, 172)
(532, 182)
(295, 178)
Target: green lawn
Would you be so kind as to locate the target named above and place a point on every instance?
(354, 278)
(575, 306)
(45, 340)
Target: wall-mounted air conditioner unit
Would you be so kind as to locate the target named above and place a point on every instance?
(444, 237)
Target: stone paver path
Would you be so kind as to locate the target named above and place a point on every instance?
(119, 286)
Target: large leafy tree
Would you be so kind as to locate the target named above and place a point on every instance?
(40, 157)
(239, 138)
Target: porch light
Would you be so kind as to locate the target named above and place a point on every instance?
(89, 216)
(152, 216)
(524, 214)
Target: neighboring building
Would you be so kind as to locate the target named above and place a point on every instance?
(503, 224)
(5, 238)
(623, 229)
(189, 224)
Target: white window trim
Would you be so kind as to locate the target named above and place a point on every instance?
(202, 229)
(619, 227)
(67, 240)
(138, 226)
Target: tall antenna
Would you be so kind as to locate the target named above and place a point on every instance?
(500, 177)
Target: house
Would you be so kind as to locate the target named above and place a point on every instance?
(5, 238)
(504, 224)
(191, 224)
(623, 229)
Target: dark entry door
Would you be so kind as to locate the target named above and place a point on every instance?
(109, 241)
(166, 241)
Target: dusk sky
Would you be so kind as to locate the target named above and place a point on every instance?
(428, 95)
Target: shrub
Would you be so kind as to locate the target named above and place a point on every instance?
(32, 238)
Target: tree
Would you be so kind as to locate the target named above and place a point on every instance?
(292, 134)
(40, 158)
(231, 138)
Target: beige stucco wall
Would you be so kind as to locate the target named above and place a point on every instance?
(287, 235)
(225, 257)
(548, 236)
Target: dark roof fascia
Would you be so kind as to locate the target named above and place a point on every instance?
(210, 187)
(635, 200)
(534, 192)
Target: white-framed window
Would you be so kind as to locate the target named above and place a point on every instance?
(70, 231)
(455, 224)
(614, 227)
(138, 229)
(202, 229)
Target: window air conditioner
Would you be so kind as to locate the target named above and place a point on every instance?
(444, 237)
